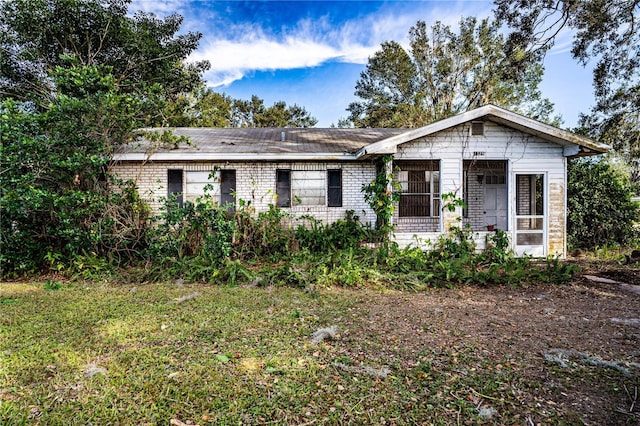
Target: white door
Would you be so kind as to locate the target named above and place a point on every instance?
(495, 204)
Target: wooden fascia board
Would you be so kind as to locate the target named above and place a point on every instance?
(390, 145)
(180, 156)
(491, 113)
(547, 132)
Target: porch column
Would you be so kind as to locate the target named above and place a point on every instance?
(451, 183)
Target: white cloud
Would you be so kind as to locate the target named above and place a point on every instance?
(159, 7)
(239, 49)
(232, 59)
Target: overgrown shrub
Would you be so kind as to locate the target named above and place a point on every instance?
(196, 237)
(600, 209)
(56, 200)
(346, 233)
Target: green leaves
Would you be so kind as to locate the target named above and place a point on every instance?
(140, 49)
(381, 195)
(222, 358)
(56, 195)
(600, 210)
(446, 73)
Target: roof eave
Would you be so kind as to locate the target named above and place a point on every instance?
(492, 113)
(213, 156)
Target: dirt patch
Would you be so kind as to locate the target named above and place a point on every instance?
(517, 330)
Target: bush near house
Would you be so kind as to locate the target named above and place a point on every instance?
(205, 242)
(600, 208)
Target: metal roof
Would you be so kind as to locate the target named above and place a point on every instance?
(259, 143)
(290, 144)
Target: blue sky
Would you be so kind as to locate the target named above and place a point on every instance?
(312, 52)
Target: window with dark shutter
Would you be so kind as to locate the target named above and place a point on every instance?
(174, 185)
(334, 188)
(228, 188)
(283, 188)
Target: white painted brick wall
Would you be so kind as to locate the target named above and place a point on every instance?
(256, 183)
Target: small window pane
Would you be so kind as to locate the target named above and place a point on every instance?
(530, 195)
(534, 239)
(530, 223)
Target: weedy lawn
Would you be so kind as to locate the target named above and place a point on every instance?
(195, 354)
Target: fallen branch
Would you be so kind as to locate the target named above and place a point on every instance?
(328, 333)
(561, 357)
(381, 373)
(187, 297)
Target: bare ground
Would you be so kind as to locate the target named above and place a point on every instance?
(512, 330)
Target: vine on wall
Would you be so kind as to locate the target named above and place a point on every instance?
(382, 194)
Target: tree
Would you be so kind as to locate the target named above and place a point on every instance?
(141, 50)
(599, 206)
(253, 113)
(206, 108)
(200, 108)
(605, 32)
(58, 200)
(444, 74)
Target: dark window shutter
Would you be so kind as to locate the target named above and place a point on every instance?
(334, 188)
(283, 188)
(228, 188)
(174, 185)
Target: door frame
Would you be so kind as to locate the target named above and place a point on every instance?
(533, 250)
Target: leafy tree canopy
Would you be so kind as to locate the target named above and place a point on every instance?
(206, 108)
(445, 73)
(57, 198)
(605, 32)
(35, 35)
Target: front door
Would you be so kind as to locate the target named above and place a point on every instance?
(531, 219)
(495, 202)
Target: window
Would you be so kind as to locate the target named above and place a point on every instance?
(283, 188)
(420, 184)
(309, 187)
(174, 185)
(220, 185)
(228, 188)
(197, 181)
(477, 128)
(301, 188)
(334, 188)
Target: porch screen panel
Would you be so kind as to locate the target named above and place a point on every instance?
(530, 210)
(420, 188)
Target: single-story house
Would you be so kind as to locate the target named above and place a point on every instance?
(510, 170)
